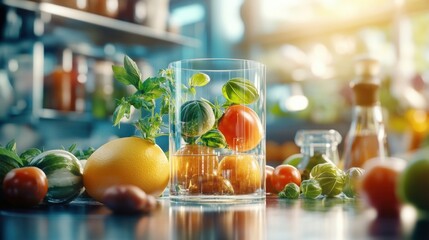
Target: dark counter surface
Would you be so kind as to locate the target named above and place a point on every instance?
(334, 218)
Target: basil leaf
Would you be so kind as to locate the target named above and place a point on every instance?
(240, 91)
(29, 154)
(72, 147)
(165, 105)
(121, 75)
(11, 146)
(153, 88)
(134, 75)
(199, 80)
(6, 154)
(122, 110)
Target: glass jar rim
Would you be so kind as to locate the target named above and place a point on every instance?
(245, 64)
(305, 137)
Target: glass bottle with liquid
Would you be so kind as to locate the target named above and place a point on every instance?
(317, 146)
(366, 138)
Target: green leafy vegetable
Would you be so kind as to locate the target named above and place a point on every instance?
(29, 154)
(291, 191)
(9, 160)
(310, 188)
(240, 91)
(11, 146)
(330, 178)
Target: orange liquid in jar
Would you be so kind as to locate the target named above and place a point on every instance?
(363, 148)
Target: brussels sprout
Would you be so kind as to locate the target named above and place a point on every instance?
(352, 175)
(330, 178)
(290, 191)
(197, 118)
(310, 188)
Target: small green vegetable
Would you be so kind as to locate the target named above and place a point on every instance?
(330, 178)
(199, 80)
(352, 176)
(310, 188)
(64, 172)
(240, 91)
(196, 117)
(213, 138)
(291, 191)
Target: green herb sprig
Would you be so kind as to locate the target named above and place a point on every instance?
(149, 93)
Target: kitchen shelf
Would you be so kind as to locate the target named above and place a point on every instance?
(316, 27)
(103, 29)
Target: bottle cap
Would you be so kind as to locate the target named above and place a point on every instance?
(365, 85)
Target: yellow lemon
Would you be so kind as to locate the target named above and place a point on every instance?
(129, 160)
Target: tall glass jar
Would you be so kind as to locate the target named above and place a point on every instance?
(217, 130)
(317, 146)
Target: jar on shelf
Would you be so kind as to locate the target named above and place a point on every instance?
(64, 88)
(317, 146)
(103, 103)
(108, 8)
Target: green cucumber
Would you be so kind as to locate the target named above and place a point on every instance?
(64, 172)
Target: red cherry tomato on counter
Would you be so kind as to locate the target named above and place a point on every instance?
(25, 187)
(241, 127)
(284, 174)
(269, 187)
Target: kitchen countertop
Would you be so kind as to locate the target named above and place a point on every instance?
(334, 218)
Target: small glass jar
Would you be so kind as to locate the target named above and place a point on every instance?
(317, 146)
(217, 130)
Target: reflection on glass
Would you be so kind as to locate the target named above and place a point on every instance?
(218, 221)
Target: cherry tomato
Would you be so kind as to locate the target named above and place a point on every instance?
(378, 187)
(241, 127)
(269, 187)
(284, 174)
(25, 187)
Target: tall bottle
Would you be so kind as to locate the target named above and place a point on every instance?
(366, 138)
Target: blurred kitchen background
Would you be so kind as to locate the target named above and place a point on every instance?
(57, 88)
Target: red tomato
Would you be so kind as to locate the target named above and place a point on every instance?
(269, 187)
(25, 187)
(241, 127)
(284, 174)
(378, 187)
